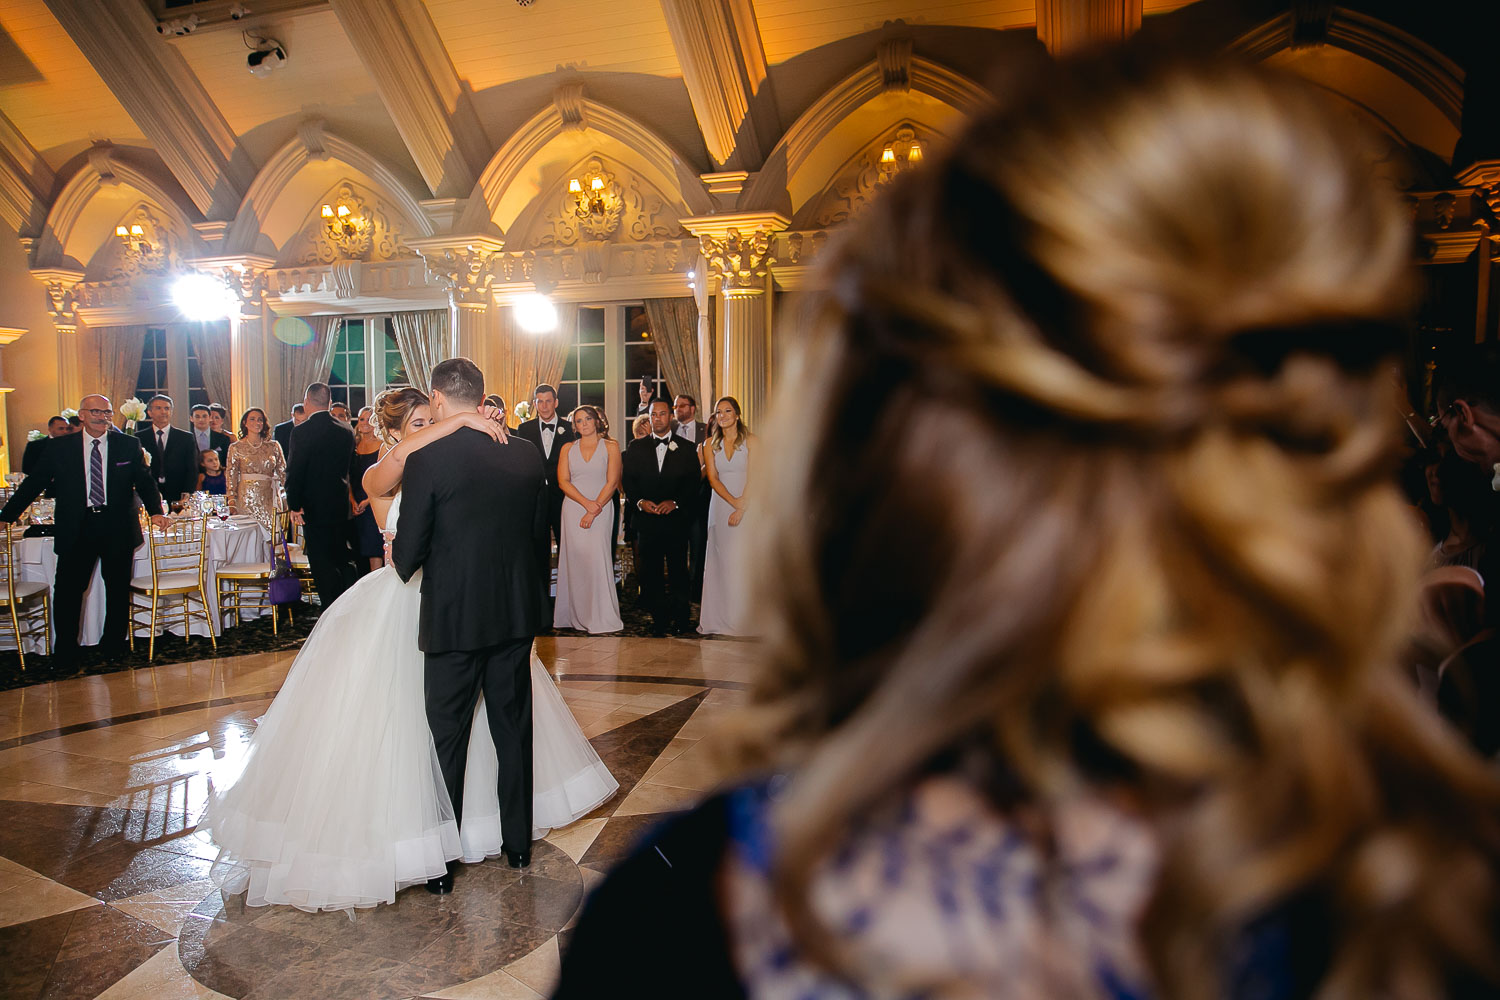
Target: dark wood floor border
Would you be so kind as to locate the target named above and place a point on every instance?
(154, 713)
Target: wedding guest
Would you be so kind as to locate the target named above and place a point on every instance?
(368, 542)
(75, 424)
(687, 426)
(588, 471)
(283, 430)
(660, 478)
(95, 477)
(647, 392)
(317, 491)
(1085, 583)
(30, 458)
(339, 411)
(204, 436)
(1463, 490)
(549, 434)
(174, 457)
(495, 402)
(640, 427)
(726, 576)
(210, 474)
(256, 472)
(218, 416)
(1468, 401)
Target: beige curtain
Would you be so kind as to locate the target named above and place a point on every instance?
(303, 364)
(423, 340)
(211, 344)
(674, 327)
(110, 359)
(521, 360)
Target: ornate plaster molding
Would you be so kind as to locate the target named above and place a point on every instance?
(59, 284)
(461, 265)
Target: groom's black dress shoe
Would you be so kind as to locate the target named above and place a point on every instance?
(443, 884)
(518, 860)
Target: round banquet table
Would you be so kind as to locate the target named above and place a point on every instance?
(234, 541)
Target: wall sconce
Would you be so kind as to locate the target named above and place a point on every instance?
(596, 200)
(136, 249)
(347, 229)
(901, 154)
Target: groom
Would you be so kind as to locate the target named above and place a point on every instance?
(473, 512)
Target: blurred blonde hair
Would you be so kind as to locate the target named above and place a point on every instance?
(1145, 310)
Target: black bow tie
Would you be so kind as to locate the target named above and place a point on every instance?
(663, 442)
(549, 427)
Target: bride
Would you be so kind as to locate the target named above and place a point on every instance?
(340, 802)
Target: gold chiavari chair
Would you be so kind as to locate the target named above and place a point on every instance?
(28, 603)
(179, 560)
(248, 585)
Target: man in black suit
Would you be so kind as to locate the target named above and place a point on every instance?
(473, 513)
(31, 458)
(317, 491)
(205, 438)
(282, 432)
(174, 460)
(661, 479)
(688, 427)
(548, 433)
(95, 477)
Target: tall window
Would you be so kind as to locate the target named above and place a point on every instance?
(388, 363)
(196, 391)
(640, 362)
(583, 378)
(348, 377)
(152, 377)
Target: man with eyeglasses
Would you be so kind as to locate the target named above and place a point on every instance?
(95, 477)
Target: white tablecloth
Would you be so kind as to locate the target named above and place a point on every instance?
(228, 542)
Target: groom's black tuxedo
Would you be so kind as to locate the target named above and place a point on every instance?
(473, 512)
(663, 537)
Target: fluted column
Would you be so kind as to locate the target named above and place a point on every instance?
(746, 354)
(1064, 25)
(59, 284)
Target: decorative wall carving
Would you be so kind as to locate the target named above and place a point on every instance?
(633, 211)
(465, 271)
(375, 238)
(738, 261)
(856, 186)
(156, 250)
(894, 58)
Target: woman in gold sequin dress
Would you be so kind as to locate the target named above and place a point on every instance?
(256, 469)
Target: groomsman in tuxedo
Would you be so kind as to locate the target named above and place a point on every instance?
(31, 458)
(317, 492)
(661, 479)
(549, 432)
(688, 427)
(174, 457)
(205, 438)
(95, 477)
(282, 432)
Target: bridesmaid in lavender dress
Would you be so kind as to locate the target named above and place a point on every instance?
(588, 471)
(726, 460)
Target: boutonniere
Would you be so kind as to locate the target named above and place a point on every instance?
(672, 446)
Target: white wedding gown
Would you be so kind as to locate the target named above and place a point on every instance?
(340, 802)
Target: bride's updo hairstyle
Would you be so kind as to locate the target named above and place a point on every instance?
(393, 408)
(1123, 522)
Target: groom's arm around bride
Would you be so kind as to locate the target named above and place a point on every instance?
(472, 513)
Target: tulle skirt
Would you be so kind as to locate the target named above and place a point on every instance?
(340, 802)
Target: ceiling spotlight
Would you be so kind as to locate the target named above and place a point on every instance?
(266, 57)
(535, 313)
(203, 297)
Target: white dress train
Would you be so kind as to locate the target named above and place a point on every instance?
(586, 598)
(726, 599)
(340, 802)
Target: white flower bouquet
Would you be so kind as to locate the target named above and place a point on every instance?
(35, 435)
(132, 410)
(69, 413)
(522, 410)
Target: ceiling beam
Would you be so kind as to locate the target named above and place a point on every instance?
(26, 182)
(162, 96)
(401, 48)
(1065, 25)
(724, 66)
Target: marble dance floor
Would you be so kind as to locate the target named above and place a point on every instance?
(103, 887)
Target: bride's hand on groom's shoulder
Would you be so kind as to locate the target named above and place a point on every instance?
(487, 420)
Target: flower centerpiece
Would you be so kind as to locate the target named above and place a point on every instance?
(522, 411)
(132, 410)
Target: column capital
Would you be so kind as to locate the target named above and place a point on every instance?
(61, 304)
(247, 276)
(737, 247)
(462, 264)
